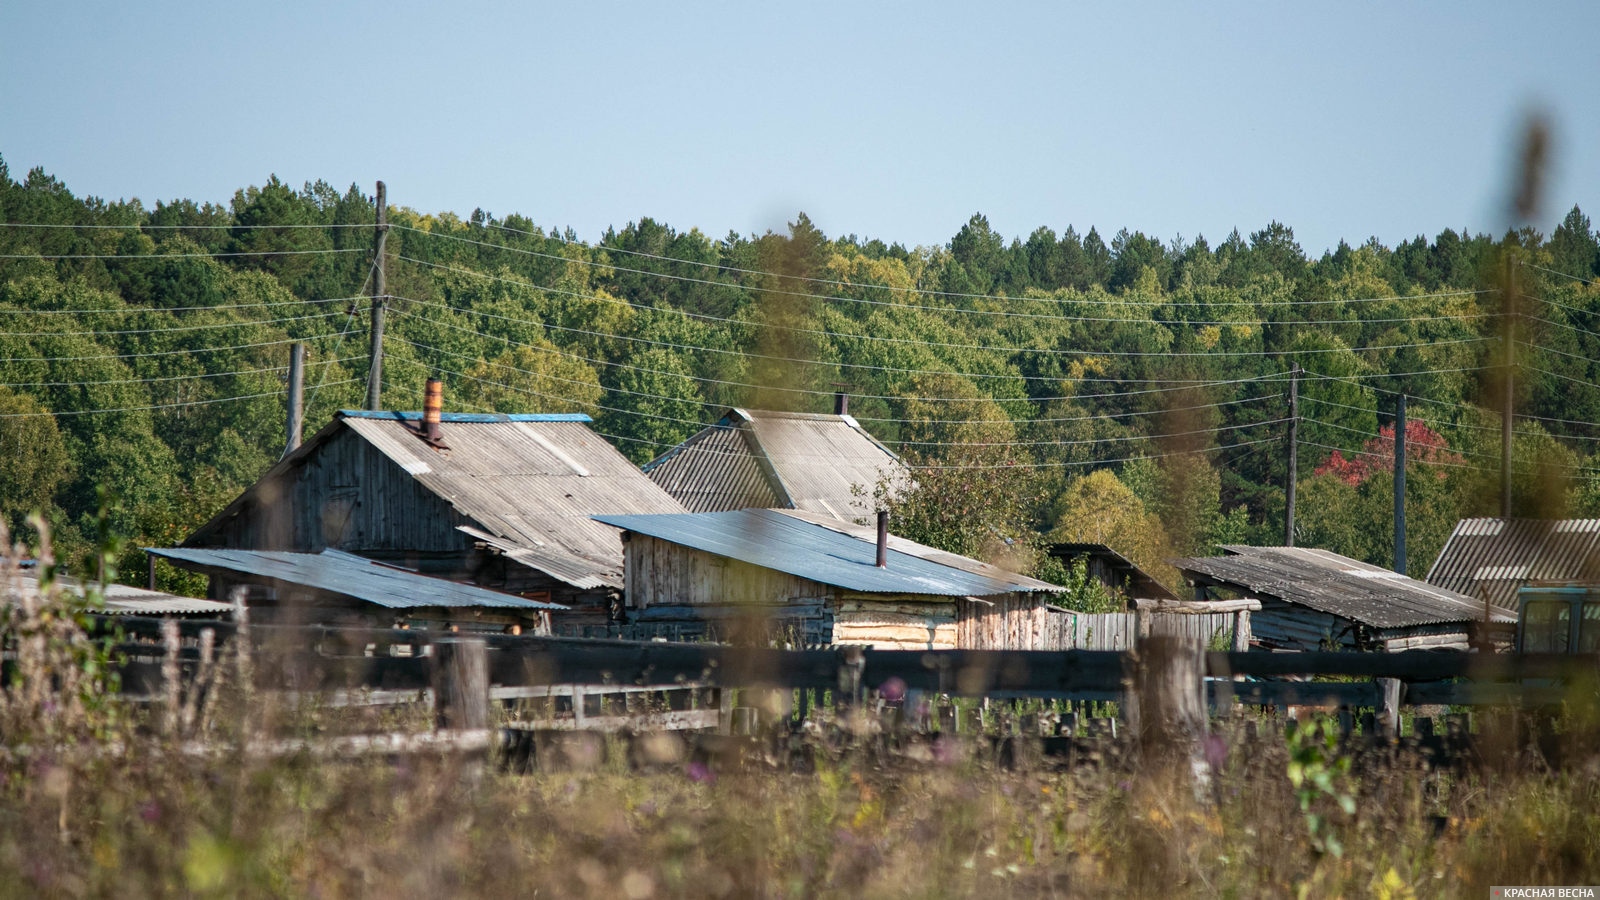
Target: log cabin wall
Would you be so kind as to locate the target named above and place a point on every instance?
(889, 622)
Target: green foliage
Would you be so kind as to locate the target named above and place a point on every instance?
(1010, 369)
(1320, 775)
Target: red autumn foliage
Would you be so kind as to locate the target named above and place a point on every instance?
(1423, 445)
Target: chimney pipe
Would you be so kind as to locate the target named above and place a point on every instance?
(841, 404)
(432, 411)
(883, 539)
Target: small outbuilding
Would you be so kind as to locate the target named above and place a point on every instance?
(1317, 600)
(1115, 572)
(761, 459)
(823, 584)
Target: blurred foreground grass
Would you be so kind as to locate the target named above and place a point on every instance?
(154, 823)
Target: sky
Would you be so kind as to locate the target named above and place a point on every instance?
(889, 120)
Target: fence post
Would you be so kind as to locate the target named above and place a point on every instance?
(1169, 715)
(460, 679)
(1389, 708)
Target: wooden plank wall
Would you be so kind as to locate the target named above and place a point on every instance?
(659, 572)
(1119, 631)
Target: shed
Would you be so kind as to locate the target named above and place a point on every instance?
(1490, 558)
(336, 587)
(1313, 599)
(774, 571)
(502, 501)
(761, 459)
(1115, 572)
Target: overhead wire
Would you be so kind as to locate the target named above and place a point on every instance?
(1121, 301)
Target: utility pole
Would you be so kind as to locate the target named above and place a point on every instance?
(1294, 455)
(297, 389)
(380, 290)
(1508, 319)
(1400, 484)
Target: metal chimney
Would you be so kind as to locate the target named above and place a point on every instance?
(432, 413)
(883, 539)
(841, 404)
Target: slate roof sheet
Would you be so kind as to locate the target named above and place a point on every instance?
(1340, 586)
(1492, 557)
(819, 463)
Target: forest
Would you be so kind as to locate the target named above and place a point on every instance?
(1130, 390)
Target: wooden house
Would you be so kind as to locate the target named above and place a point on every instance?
(760, 459)
(1317, 600)
(500, 501)
(780, 573)
(332, 587)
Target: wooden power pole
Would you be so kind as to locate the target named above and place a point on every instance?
(1294, 455)
(1508, 317)
(1400, 484)
(380, 290)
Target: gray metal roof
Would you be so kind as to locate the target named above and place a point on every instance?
(826, 555)
(1339, 586)
(765, 459)
(126, 600)
(532, 481)
(1492, 557)
(715, 470)
(348, 575)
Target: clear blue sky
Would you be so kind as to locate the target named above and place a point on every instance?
(887, 120)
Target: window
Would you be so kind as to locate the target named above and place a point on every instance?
(1547, 626)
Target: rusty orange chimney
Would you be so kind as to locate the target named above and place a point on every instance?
(883, 539)
(432, 412)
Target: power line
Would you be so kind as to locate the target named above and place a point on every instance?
(245, 323)
(219, 254)
(1583, 281)
(770, 290)
(1137, 354)
(681, 375)
(835, 283)
(128, 310)
(122, 409)
(114, 356)
(146, 226)
(267, 370)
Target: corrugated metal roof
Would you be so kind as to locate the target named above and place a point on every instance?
(1340, 586)
(765, 459)
(578, 571)
(126, 600)
(824, 554)
(1492, 557)
(348, 575)
(714, 471)
(533, 481)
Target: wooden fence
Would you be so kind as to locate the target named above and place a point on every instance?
(1121, 631)
(329, 658)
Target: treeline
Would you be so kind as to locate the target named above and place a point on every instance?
(1131, 391)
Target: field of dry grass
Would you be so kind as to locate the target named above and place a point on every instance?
(100, 800)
